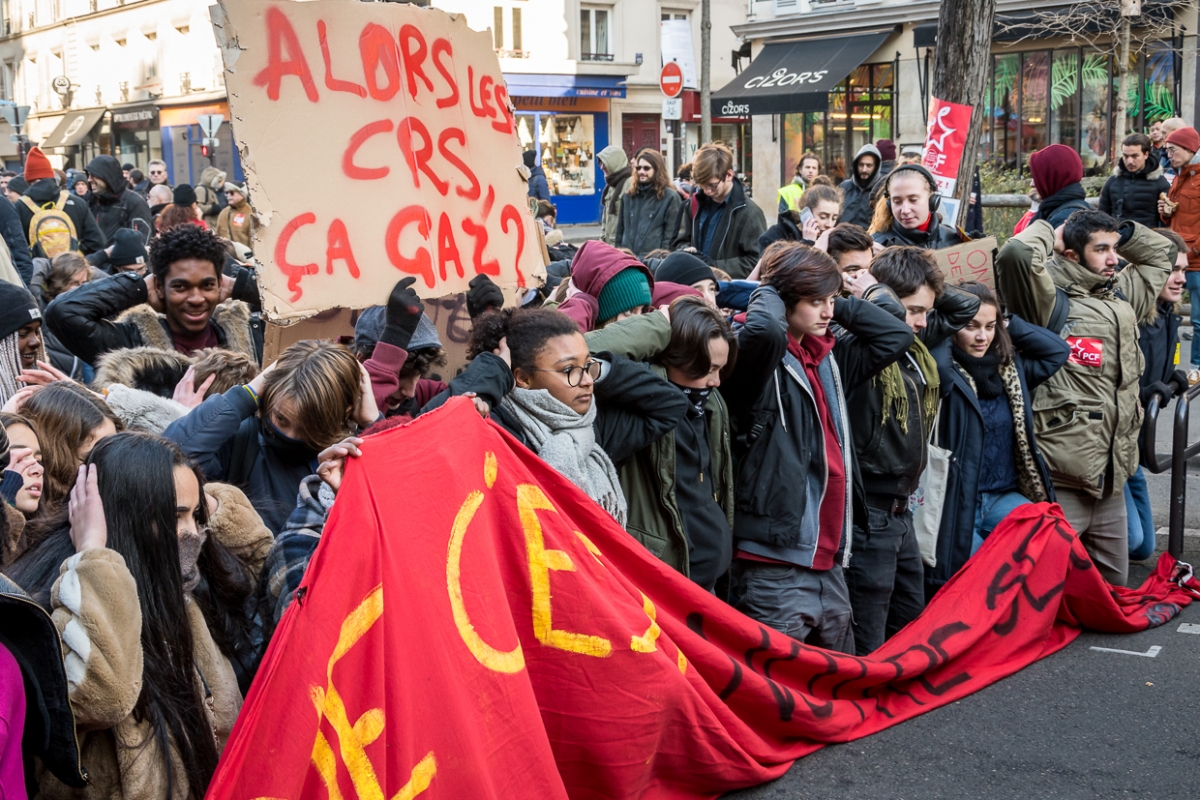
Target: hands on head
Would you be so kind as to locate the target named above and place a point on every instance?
(89, 528)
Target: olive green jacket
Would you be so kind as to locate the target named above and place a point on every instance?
(648, 477)
(1087, 416)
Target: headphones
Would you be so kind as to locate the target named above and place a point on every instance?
(935, 199)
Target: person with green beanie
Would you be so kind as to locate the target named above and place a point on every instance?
(606, 285)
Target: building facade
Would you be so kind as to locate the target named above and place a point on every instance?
(584, 75)
(123, 77)
(1041, 91)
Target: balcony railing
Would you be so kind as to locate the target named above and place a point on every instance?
(596, 57)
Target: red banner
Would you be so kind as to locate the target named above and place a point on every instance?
(474, 626)
(945, 142)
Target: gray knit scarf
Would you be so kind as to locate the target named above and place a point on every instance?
(566, 441)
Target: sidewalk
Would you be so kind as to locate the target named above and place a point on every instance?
(578, 234)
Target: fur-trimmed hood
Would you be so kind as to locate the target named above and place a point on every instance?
(141, 410)
(151, 369)
(231, 318)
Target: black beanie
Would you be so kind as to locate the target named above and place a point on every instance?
(17, 184)
(184, 195)
(685, 269)
(530, 158)
(17, 309)
(128, 248)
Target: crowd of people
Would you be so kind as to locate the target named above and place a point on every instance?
(756, 406)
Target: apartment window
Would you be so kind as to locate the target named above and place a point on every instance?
(498, 28)
(670, 15)
(594, 42)
(516, 30)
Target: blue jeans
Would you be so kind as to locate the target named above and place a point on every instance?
(990, 511)
(1193, 287)
(1140, 517)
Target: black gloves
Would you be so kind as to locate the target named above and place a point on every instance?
(404, 310)
(1178, 382)
(1164, 392)
(483, 296)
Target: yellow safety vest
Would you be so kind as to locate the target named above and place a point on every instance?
(791, 193)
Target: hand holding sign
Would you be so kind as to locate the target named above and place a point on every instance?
(405, 114)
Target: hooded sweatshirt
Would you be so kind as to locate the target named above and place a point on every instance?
(210, 194)
(595, 265)
(857, 206)
(117, 206)
(617, 172)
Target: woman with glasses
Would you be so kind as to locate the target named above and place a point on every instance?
(581, 414)
(146, 576)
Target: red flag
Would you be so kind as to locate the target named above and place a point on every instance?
(474, 626)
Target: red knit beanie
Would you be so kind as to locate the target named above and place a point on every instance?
(1054, 168)
(37, 166)
(1187, 138)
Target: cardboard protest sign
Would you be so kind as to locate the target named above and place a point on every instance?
(378, 142)
(945, 142)
(969, 261)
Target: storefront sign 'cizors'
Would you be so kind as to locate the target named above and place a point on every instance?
(781, 77)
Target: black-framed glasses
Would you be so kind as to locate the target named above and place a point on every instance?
(575, 374)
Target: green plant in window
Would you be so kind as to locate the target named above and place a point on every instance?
(1160, 102)
(1064, 80)
(1005, 77)
(1095, 70)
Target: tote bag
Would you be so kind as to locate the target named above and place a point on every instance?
(927, 501)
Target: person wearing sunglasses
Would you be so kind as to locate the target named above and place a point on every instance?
(581, 413)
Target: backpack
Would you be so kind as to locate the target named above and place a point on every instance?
(51, 231)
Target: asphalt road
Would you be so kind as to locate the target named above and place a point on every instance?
(1079, 724)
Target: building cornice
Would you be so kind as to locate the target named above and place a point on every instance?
(62, 23)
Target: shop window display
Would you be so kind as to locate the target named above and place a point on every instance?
(565, 144)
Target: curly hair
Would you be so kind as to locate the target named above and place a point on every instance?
(527, 331)
(185, 241)
(423, 360)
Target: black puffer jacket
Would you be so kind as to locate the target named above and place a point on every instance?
(858, 205)
(87, 232)
(111, 313)
(18, 245)
(1134, 195)
(118, 206)
(937, 237)
(647, 222)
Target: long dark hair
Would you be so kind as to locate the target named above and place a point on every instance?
(662, 176)
(1002, 345)
(135, 474)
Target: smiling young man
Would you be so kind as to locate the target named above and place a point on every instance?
(183, 303)
(1087, 416)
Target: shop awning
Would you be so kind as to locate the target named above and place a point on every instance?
(792, 77)
(73, 128)
(528, 85)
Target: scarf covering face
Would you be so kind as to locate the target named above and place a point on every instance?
(566, 441)
(984, 371)
(697, 398)
(189, 555)
(895, 398)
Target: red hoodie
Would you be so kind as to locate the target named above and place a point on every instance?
(811, 351)
(594, 265)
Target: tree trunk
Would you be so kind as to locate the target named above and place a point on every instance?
(960, 72)
(705, 72)
(1121, 112)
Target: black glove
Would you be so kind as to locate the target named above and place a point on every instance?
(1159, 388)
(1178, 382)
(483, 296)
(404, 311)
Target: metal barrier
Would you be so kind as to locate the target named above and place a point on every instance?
(1181, 451)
